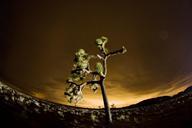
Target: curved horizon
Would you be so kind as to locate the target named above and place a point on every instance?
(95, 102)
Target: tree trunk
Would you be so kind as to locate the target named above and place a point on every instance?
(105, 101)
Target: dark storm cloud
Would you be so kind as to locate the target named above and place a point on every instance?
(38, 41)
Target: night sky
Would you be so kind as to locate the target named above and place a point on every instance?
(38, 40)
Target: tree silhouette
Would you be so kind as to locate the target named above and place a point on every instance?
(82, 75)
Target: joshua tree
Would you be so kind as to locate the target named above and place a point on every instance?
(82, 75)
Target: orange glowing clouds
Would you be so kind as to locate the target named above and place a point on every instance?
(38, 94)
(118, 95)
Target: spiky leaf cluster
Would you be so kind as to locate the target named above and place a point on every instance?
(101, 42)
(99, 69)
(94, 86)
(80, 66)
(73, 93)
(79, 72)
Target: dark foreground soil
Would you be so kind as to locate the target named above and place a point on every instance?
(23, 111)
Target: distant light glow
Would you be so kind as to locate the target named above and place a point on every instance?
(117, 97)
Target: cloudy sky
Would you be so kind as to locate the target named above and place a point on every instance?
(38, 41)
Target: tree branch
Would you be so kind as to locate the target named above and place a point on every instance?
(120, 51)
(84, 83)
(71, 82)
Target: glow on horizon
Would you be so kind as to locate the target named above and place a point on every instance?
(91, 100)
